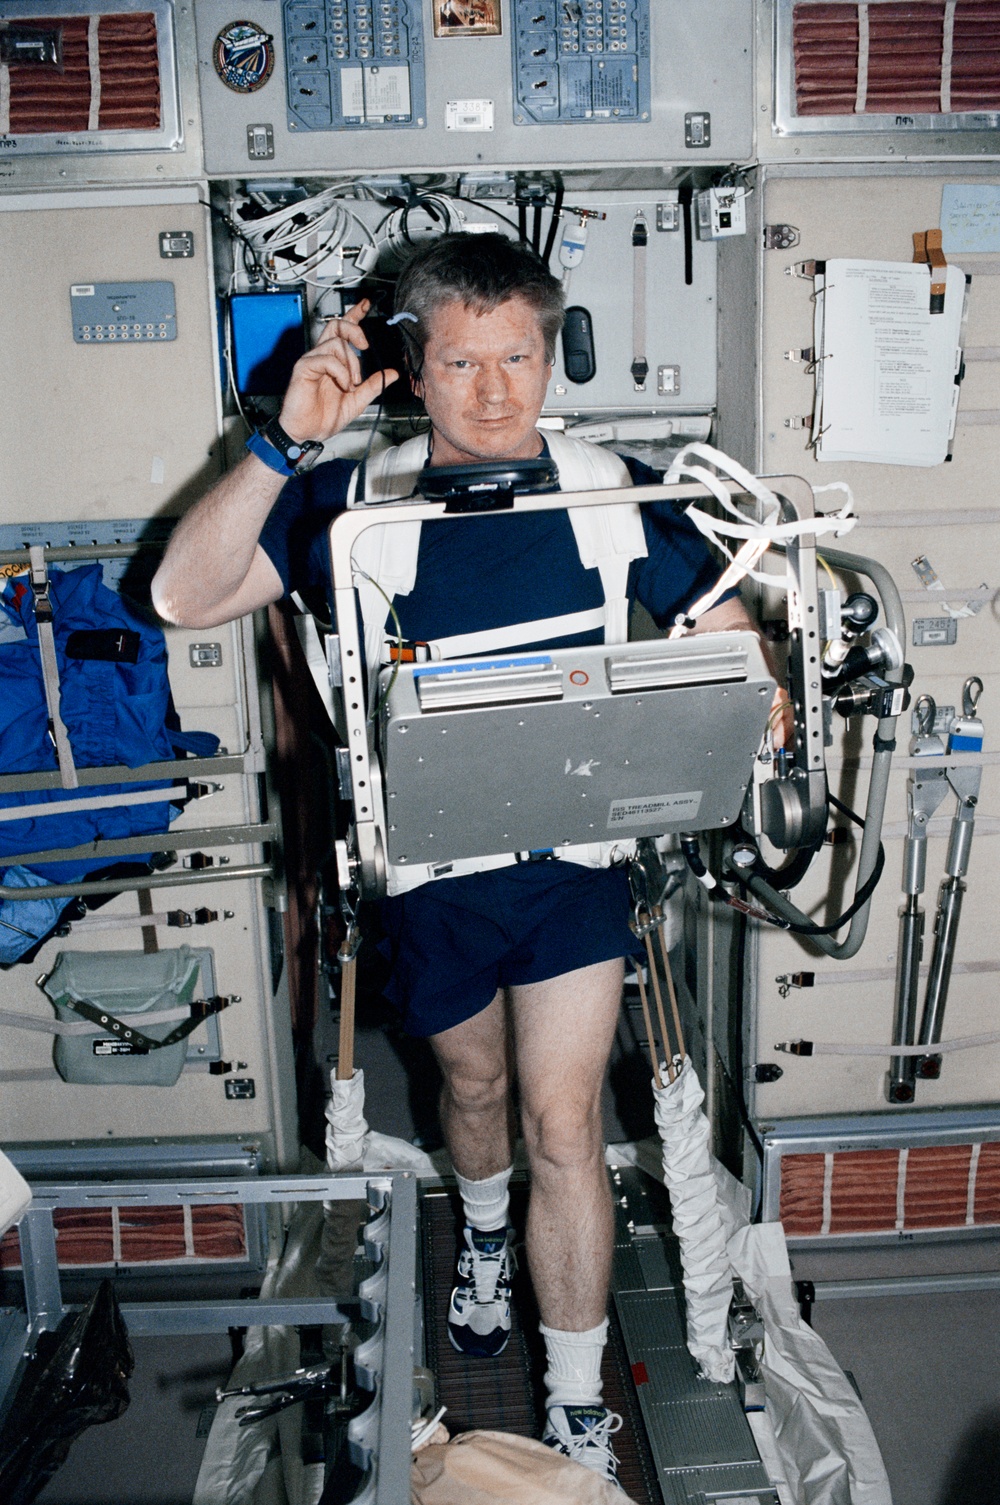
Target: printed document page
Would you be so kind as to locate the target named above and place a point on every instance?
(886, 366)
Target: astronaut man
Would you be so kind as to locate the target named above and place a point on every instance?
(515, 973)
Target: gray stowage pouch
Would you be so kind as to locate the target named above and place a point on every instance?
(127, 984)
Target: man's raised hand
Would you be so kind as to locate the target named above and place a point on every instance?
(326, 391)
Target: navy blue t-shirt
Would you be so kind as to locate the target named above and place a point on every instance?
(494, 570)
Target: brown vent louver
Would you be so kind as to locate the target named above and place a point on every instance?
(96, 1236)
(890, 1191)
(109, 80)
(925, 57)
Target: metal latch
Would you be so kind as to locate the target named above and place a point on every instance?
(807, 269)
(174, 243)
(668, 215)
(780, 237)
(698, 128)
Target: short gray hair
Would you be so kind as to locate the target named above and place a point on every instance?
(481, 271)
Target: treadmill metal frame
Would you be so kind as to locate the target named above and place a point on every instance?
(702, 1444)
(389, 1481)
(365, 773)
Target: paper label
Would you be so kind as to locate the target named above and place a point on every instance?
(970, 217)
(644, 809)
(352, 93)
(387, 90)
(468, 115)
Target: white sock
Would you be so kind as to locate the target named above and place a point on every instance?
(573, 1377)
(485, 1202)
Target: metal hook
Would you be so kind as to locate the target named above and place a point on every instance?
(971, 692)
(925, 712)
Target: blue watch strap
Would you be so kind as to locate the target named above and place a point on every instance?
(273, 458)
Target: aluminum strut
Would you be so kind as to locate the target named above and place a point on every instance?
(965, 735)
(926, 788)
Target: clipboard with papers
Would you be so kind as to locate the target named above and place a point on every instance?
(887, 369)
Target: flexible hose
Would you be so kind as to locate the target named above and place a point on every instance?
(884, 745)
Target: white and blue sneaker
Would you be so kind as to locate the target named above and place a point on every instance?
(479, 1309)
(584, 1434)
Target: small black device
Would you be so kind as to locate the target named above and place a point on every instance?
(579, 361)
(489, 486)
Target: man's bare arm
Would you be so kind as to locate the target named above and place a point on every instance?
(732, 616)
(214, 568)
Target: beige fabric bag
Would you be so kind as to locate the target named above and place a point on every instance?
(498, 1468)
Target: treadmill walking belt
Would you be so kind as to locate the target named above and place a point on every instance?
(506, 1394)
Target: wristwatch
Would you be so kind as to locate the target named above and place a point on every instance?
(281, 452)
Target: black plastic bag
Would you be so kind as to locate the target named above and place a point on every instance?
(76, 1378)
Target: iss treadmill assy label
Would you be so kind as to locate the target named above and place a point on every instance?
(645, 809)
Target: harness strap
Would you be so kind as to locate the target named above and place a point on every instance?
(318, 665)
(193, 1015)
(50, 666)
(496, 639)
(65, 1027)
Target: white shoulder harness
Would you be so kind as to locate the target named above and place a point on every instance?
(607, 538)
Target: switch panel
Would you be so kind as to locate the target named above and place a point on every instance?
(354, 64)
(123, 312)
(581, 62)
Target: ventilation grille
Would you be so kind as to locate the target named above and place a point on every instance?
(925, 57)
(110, 78)
(890, 1191)
(99, 1236)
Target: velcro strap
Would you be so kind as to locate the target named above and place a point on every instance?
(50, 667)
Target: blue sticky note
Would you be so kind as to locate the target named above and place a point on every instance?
(970, 217)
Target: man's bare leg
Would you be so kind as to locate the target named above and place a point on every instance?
(475, 1098)
(476, 1118)
(563, 1031)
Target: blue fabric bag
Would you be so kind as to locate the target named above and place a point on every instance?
(114, 712)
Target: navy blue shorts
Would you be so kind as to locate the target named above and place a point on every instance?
(453, 943)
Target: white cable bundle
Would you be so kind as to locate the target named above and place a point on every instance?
(395, 229)
(758, 536)
(326, 217)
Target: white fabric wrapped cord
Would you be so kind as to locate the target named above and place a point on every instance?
(346, 1126)
(827, 1447)
(352, 1146)
(697, 1220)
